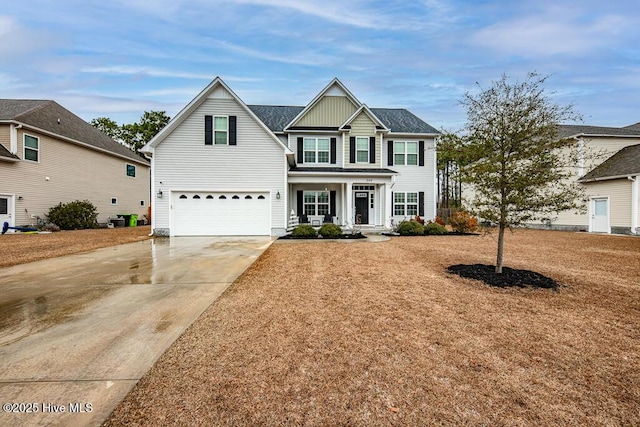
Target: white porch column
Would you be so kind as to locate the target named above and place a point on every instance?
(349, 205)
(387, 206)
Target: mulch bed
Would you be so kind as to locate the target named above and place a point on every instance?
(510, 277)
(344, 236)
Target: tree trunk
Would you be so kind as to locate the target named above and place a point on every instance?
(500, 249)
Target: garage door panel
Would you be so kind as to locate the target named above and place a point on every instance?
(221, 213)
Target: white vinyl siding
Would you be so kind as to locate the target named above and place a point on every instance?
(183, 163)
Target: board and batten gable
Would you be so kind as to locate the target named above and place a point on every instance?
(66, 172)
(329, 111)
(182, 161)
(362, 126)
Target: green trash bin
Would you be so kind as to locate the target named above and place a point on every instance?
(133, 221)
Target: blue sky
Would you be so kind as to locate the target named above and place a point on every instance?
(119, 58)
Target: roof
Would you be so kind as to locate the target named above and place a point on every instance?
(7, 155)
(635, 126)
(398, 120)
(625, 162)
(51, 117)
(342, 170)
(565, 131)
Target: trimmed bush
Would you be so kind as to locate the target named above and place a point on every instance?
(434, 229)
(74, 215)
(410, 228)
(463, 222)
(330, 231)
(440, 221)
(304, 230)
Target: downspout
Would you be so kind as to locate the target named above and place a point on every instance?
(634, 203)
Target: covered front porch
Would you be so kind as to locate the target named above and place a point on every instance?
(351, 200)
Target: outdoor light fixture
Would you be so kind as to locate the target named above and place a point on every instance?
(278, 195)
(159, 194)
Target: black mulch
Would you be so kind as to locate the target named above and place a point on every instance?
(343, 236)
(510, 277)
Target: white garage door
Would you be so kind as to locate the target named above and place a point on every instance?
(220, 213)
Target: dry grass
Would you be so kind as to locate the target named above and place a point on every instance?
(365, 334)
(18, 248)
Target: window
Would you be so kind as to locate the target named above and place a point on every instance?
(405, 204)
(31, 148)
(362, 149)
(316, 150)
(210, 197)
(316, 202)
(131, 171)
(405, 153)
(220, 130)
(183, 196)
(196, 197)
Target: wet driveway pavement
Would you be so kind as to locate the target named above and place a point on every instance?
(77, 332)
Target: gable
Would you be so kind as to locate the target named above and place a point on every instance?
(363, 125)
(330, 111)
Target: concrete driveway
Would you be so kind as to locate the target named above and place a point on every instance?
(77, 332)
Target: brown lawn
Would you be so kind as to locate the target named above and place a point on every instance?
(377, 334)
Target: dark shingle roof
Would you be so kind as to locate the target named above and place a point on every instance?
(625, 162)
(399, 120)
(6, 154)
(565, 131)
(45, 115)
(635, 126)
(341, 170)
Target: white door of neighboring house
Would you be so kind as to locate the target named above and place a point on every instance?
(211, 213)
(600, 215)
(6, 210)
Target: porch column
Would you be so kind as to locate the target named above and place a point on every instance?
(349, 205)
(387, 206)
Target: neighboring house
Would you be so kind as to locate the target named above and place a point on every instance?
(222, 167)
(611, 183)
(49, 155)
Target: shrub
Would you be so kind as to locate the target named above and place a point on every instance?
(410, 228)
(330, 231)
(463, 222)
(418, 220)
(74, 215)
(440, 221)
(434, 229)
(304, 230)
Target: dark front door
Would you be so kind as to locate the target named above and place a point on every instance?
(362, 208)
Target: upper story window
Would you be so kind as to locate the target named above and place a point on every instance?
(31, 148)
(131, 170)
(405, 153)
(362, 149)
(316, 150)
(220, 130)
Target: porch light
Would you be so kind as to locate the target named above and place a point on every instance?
(159, 194)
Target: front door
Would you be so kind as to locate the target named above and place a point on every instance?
(600, 216)
(362, 207)
(5, 210)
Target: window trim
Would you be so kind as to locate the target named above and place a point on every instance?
(366, 139)
(316, 203)
(25, 148)
(127, 170)
(316, 150)
(213, 129)
(405, 153)
(405, 204)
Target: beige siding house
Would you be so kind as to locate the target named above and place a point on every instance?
(224, 167)
(49, 155)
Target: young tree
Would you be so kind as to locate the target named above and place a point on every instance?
(519, 169)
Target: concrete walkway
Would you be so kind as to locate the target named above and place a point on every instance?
(77, 332)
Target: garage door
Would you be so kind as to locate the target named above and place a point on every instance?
(221, 214)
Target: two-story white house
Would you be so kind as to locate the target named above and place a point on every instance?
(222, 167)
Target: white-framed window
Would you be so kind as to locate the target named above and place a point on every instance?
(405, 153)
(405, 204)
(316, 150)
(31, 148)
(362, 149)
(221, 130)
(131, 170)
(316, 202)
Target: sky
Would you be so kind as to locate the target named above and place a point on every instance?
(119, 58)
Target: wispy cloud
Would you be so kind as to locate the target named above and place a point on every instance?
(146, 71)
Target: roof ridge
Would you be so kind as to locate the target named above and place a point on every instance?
(43, 104)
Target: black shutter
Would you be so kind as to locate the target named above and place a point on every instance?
(233, 133)
(372, 149)
(332, 203)
(333, 151)
(420, 153)
(390, 153)
(300, 207)
(208, 130)
(300, 150)
(352, 149)
(421, 203)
